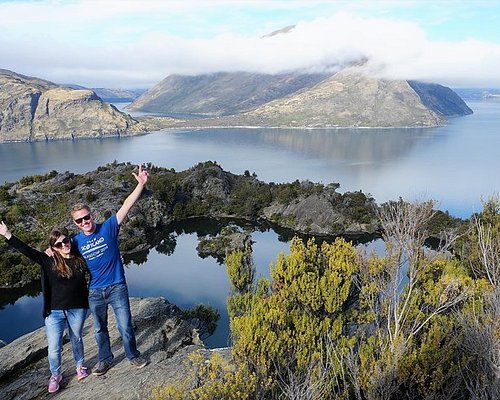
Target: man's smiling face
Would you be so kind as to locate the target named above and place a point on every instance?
(84, 221)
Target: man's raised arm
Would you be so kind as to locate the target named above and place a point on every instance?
(142, 178)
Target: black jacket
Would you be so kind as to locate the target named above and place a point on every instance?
(59, 293)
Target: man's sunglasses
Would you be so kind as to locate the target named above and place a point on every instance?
(84, 218)
(59, 245)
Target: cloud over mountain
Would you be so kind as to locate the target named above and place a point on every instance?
(122, 45)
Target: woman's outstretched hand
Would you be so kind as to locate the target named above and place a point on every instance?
(4, 231)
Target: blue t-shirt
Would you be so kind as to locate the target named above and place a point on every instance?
(102, 254)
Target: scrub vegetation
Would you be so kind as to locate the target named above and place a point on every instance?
(334, 323)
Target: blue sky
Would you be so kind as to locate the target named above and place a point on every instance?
(132, 44)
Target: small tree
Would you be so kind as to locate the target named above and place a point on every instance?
(403, 296)
(482, 248)
(204, 319)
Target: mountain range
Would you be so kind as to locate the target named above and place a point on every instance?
(34, 109)
(110, 95)
(347, 98)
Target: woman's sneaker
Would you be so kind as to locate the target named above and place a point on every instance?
(54, 383)
(81, 372)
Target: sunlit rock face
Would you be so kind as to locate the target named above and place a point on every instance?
(34, 109)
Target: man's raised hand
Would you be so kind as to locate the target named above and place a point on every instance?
(141, 176)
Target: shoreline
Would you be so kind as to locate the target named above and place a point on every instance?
(198, 128)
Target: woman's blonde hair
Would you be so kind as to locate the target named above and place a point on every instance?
(60, 265)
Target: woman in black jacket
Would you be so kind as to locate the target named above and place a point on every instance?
(65, 298)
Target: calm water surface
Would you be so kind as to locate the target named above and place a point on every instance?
(455, 165)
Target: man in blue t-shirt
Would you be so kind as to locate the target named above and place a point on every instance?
(98, 244)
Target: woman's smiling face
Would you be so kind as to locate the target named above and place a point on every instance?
(62, 245)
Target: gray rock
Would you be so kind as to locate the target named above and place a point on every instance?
(163, 337)
(328, 213)
(229, 239)
(205, 181)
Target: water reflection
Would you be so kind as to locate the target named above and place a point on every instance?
(365, 147)
(20, 311)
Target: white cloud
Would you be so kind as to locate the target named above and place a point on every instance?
(133, 44)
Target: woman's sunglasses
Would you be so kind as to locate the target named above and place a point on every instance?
(59, 245)
(84, 218)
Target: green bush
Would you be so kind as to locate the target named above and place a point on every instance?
(4, 194)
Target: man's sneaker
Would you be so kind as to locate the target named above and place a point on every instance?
(101, 368)
(81, 372)
(54, 383)
(138, 362)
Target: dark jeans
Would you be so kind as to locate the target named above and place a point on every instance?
(117, 297)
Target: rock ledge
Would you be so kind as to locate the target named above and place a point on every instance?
(164, 338)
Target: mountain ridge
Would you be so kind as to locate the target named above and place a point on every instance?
(347, 98)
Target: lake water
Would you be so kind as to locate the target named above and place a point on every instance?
(456, 165)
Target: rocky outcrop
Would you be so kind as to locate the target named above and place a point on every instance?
(33, 109)
(326, 212)
(164, 338)
(229, 239)
(347, 98)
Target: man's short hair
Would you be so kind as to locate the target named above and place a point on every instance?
(80, 206)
